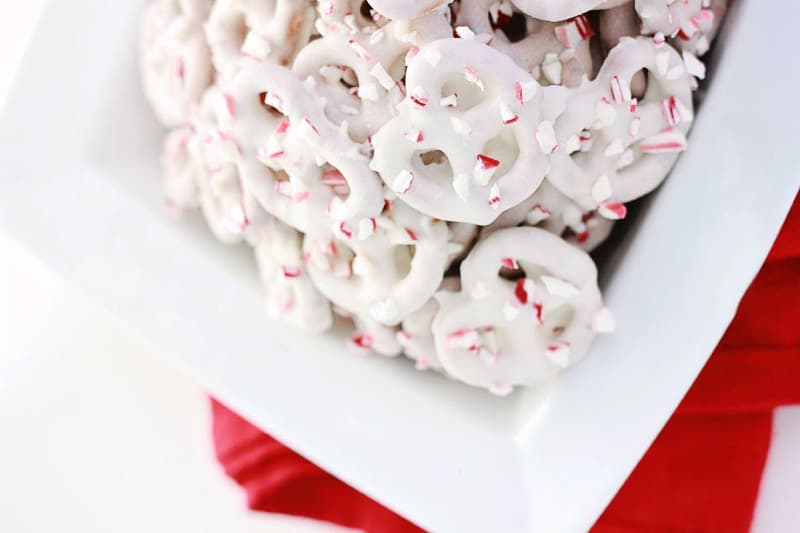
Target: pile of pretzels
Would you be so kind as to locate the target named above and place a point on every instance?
(432, 173)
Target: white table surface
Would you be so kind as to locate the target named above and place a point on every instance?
(98, 435)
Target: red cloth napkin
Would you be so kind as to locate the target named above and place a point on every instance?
(701, 474)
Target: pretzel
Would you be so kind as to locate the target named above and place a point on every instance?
(555, 10)
(550, 210)
(465, 145)
(289, 293)
(242, 31)
(497, 333)
(289, 154)
(174, 58)
(407, 9)
(359, 72)
(180, 168)
(230, 211)
(415, 335)
(372, 337)
(384, 269)
(554, 53)
(696, 36)
(613, 149)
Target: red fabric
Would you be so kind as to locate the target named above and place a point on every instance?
(702, 473)
(277, 480)
(704, 469)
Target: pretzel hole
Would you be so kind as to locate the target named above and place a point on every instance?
(556, 321)
(434, 165)
(504, 148)
(349, 78)
(469, 94)
(516, 28)
(236, 27)
(402, 255)
(270, 110)
(366, 10)
(512, 274)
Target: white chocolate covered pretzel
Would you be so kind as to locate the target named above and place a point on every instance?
(386, 268)
(613, 148)
(289, 293)
(555, 53)
(498, 333)
(288, 149)
(407, 9)
(415, 335)
(554, 10)
(552, 211)
(467, 144)
(174, 58)
(359, 73)
(240, 31)
(180, 168)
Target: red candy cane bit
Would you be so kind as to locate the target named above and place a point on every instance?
(365, 340)
(282, 126)
(230, 104)
(311, 125)
(411, 234)
(672, 112)
(521, 291)
(418, 96)
(613, 210)
(345, 230)
(488, 163)
(509, 263)
(291, 272)
(584, 27)
(538, 310)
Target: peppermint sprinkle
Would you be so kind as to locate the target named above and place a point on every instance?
(366, 228)
(311, 125)
(546, 137)
(507, 115)
(419, 96)
(359, 50)
(463, 339)
(382, 76)
(559, 287)
(620, 90)
(525, 91)
(415, 136)
(291, 272)
(472, 76)
(613, 210)
(509, 263)
(559, 354)
(403, 182)
(494, 197)
(666, 142)
(450, 100)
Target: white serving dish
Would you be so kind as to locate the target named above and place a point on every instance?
(79, 153)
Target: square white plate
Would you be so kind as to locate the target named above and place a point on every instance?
(80, 187)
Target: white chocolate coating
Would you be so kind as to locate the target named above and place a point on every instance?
(302, 148)
(289, 293)
(554, 53)
(385, 273)
(631, 145)
(434, 172)
(407, 9)
(242, 31)
(489, 138)
(174, 59)
(554, 10)
(498, 334)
